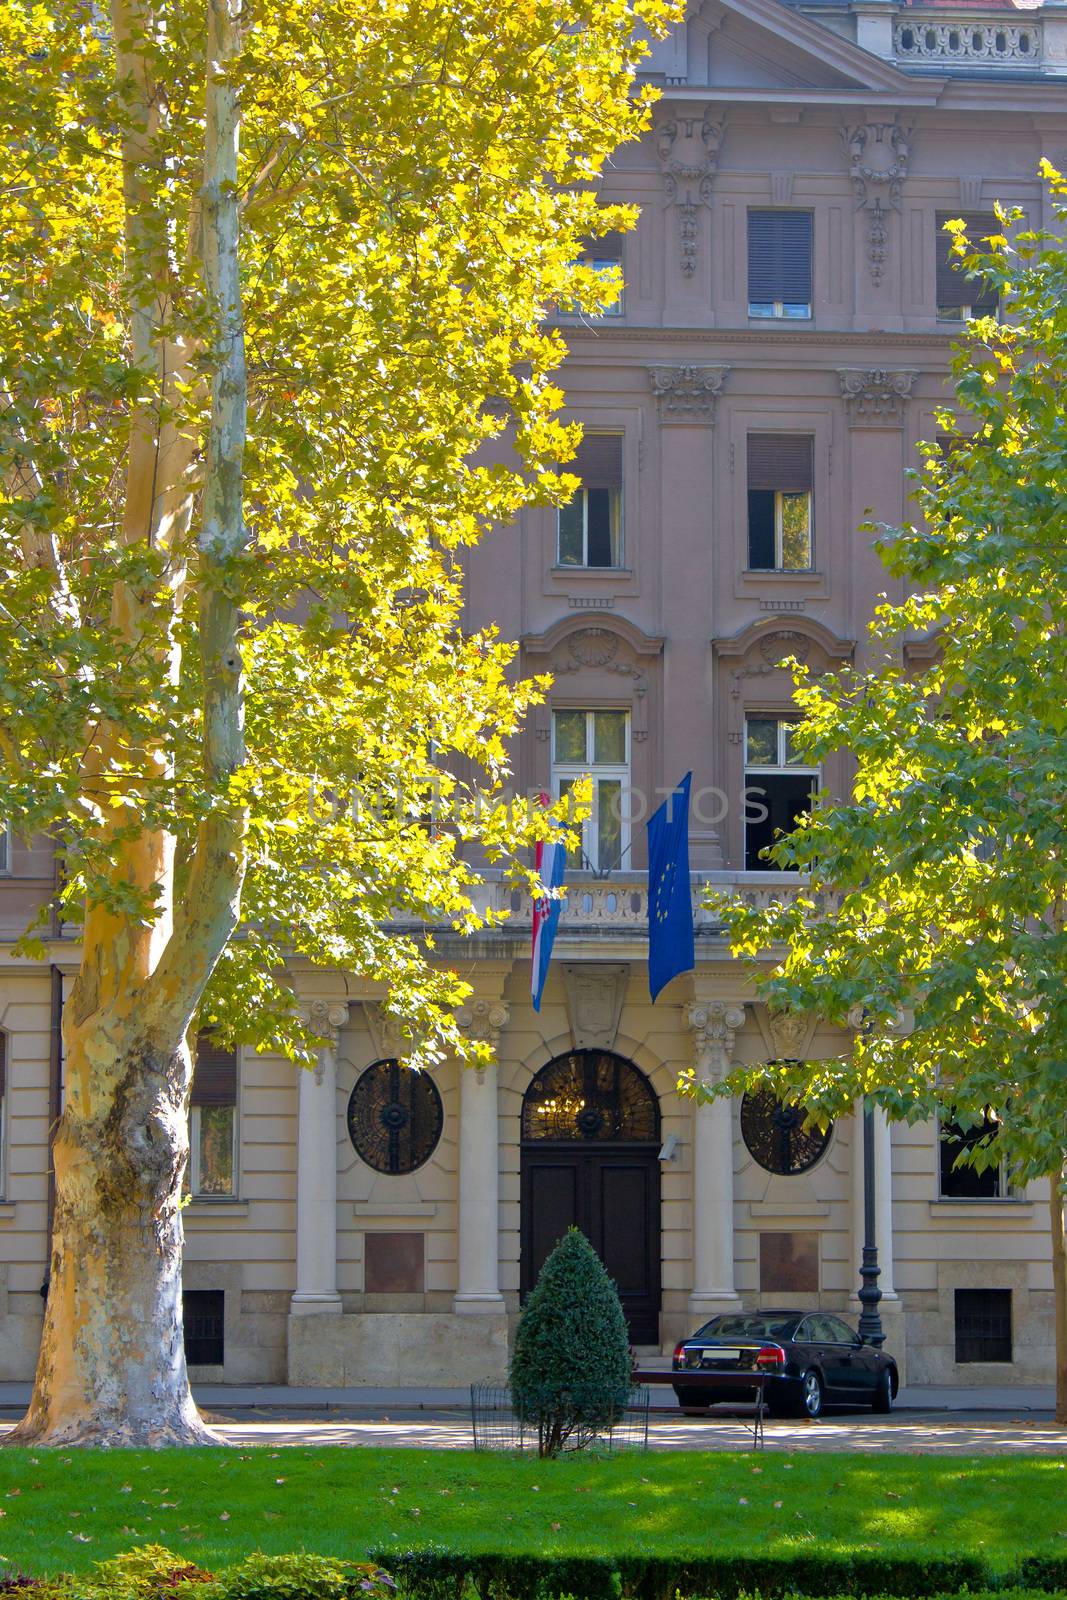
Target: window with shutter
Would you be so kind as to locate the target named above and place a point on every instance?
(780, 482)
(962, 295)
(779, 263)
(590, 525)
(213, 1121)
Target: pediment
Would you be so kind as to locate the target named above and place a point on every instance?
(764, 45)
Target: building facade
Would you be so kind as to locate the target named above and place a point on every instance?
(779, 352)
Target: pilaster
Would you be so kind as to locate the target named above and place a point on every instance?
(713, 1025)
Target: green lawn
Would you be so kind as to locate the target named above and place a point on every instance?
(63, 1511)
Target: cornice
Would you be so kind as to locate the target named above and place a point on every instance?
(794, 336)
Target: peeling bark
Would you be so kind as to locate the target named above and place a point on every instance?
(112, 1365)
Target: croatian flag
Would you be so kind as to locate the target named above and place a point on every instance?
(551, 860)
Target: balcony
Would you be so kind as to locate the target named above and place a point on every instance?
(615, 909)
(936, 41)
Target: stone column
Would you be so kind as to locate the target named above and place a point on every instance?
(316, 1169)
(478, 1279)
(883, 1195)
(713, 1025)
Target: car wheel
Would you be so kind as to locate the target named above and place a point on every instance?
(811, 1395)
(690, 1398)
(883, 1393)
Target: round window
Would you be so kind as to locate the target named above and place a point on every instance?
(395, 1117)
(775, 1135)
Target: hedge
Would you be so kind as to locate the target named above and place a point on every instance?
(435, 1573)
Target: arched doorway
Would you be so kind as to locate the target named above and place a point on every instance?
(590, 1158)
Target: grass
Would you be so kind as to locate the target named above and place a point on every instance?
(61, 1512)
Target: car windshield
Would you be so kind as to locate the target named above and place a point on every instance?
(753, 1326)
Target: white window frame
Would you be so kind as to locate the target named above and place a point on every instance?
(193, 1170)
(568, 771)
(780, 769)
(1006, 1194)
(779, 530)
(766, 310)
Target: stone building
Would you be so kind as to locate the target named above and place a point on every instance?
(780, 349)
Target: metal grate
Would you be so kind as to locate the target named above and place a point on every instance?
(590, 1095)
(983, 1325)
(496, 1426)
(775, 1135)
(395, 1118)
(204, 1319)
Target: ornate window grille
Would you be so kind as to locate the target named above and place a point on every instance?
(395, 1118)
(590, 1095)
(775, 1136)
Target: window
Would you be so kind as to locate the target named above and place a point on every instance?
(776, 1136)
(5, 848)
(598, 743)
(983, 1325)
(213, 1122)
(204, 1321)
(604, 256)
(779, 263)
(966, 1183)
(3, 1112)
(395, 1117)
(590, 525)
(962, 295)
(780, 478)
(779, 788)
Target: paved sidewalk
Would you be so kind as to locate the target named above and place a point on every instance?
(286, 1401)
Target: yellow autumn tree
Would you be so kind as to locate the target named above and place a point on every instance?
(268, 282)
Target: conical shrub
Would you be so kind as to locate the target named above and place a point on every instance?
(570, 1367)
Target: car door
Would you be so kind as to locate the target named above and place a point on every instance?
(863, 1368)
(835, 1358)
(808, 1347)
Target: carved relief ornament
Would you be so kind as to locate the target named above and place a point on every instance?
(686, 393)
(878, 157)
(688, 151)
(714, 1025)
(874, 396)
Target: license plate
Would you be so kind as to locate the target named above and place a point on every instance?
(713, 1357)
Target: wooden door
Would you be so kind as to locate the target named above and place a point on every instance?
(612, 1194)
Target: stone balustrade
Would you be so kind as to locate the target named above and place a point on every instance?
(619, 903)
(941, 40)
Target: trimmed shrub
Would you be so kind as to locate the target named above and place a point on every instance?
(570, 1369)
(442, 1574)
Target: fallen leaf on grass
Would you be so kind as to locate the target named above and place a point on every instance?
(555, 1527)
(778, 1505)
(82, 1538)
(224, 1516)
(891, 1494)
(742, 1501)
(279, 1480)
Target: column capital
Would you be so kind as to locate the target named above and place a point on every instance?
(483, 1021)
(714, 1025)
(325, 1017)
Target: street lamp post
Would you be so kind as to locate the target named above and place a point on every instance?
(870, 1323)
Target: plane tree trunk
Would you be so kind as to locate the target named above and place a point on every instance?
(1059, 1288)
(111, 1369)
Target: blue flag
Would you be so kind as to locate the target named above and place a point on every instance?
(670, 901)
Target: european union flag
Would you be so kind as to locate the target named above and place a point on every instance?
(670, 902)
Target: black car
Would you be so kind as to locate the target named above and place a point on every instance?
(812, 1357)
